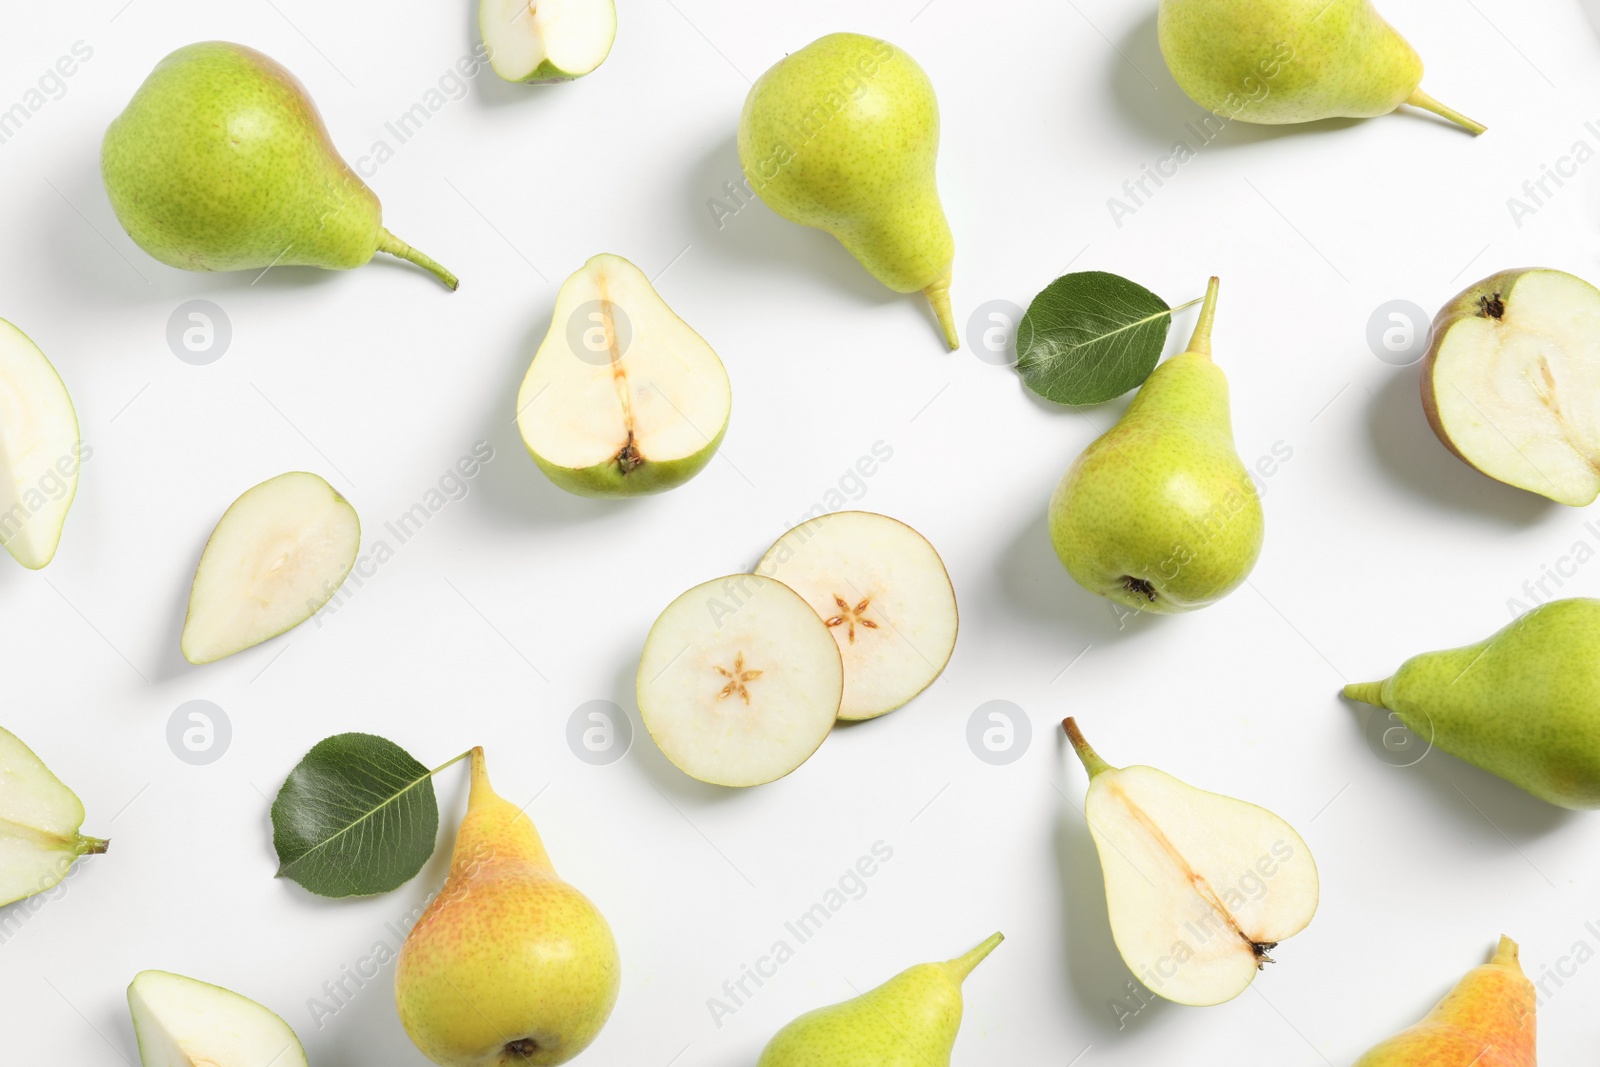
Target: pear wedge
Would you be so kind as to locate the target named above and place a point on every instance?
(1199, 887)
(39, 821)
(543, 41)
(180, 1022)
(40, 451)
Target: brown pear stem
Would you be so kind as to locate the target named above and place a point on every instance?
(1428, 103)
(92, 846)
(1091, 759)
(1200, 343)
(1366, 692)
(938, 295)
(963, 965)
(388, 242)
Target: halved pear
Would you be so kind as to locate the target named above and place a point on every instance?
(39, 820)
(883, 591)
(180, 1022)
(1511, 382)
(622, 397)
(40, 451)
(740, 681)
(1199, 887)
(547, 40)
(278, 554)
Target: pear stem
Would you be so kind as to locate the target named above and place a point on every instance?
(963, 965)
(1200, 343)
(1366, 692)
(1091, 759)
(481, 792)
(938, 295)
(92, 846)
(388, 242)
(1428, 103)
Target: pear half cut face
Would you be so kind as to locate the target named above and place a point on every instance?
(547, 40)
(180, 1022)
(39, 820)
(1512, 382)
(39, 451)
(740, 681)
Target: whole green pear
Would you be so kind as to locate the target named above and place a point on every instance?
(1158, 513)
(1283, 61)
(909, 1021)
(221, 162)
(1523, 704)
(843, 135)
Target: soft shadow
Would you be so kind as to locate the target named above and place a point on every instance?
(1406, 446)
(1591, 8)
(172, 664)
(646, 757)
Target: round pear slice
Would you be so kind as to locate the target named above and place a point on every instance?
(39, 821)
(40, 451)
(622, 397)
(885, 595)
(547, 40)
(1511, 382)
(180, 1022)
(278, 554)
(740, 681)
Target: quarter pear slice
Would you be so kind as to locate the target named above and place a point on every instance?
(40, 451)
(180, 1022)
(622, 397)
(278, 554)
(1199, 887)
(1511, 382)
(740, 681)
(884, 593)
(39, 821)
(547, 40)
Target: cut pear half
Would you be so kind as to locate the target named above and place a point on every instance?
(882, 590)
(1199, 887)
(180, 1022)
(278, 554)
(622, 397)
(40, 451)
(547, 40)
(1511, 382)
(39, 820)
(740, 681)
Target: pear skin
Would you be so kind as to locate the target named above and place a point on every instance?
(1523, 704)
(509, 965)
(1159, 514)
(1487, 1020)
(843, 135)
(909, 1021)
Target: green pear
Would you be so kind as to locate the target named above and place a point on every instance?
(39, 822)
(1283, 61)
(909, 1021)
(843, 135)
(1158, 513)
(181, 1022)
(509, 965)
(221, 162)
(40, 451)
(1524, 704)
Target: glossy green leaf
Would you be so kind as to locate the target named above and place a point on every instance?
(1090, 337)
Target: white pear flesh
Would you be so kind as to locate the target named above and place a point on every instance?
(883, 592)
(1199, 887)
(39, 451)
(180, 1022)
(1511, 383)
(740, 681)
(278, 554)
(39, 821)
(547, 40)
(638, 406)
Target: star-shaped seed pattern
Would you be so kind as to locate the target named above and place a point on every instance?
(852, 616)
(737, 679)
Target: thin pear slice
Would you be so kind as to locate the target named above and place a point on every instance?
(883, 591)
(547, 40)
(622, 397)
(40, 451)
(39, 820)
(740, 681)
(181, 1022)
(1199, 887)
(277, 555)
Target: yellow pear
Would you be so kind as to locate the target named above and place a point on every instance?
(509, 964)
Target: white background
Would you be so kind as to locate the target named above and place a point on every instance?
(519, 603)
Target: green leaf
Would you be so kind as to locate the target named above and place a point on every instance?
(356, 817)
(1090, 337)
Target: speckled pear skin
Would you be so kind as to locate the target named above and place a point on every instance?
(1487, 1020)
(1159, 514)
(843, 135)
(222, 162)
(909, 1021)
(1523, 704)
(509, 965)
